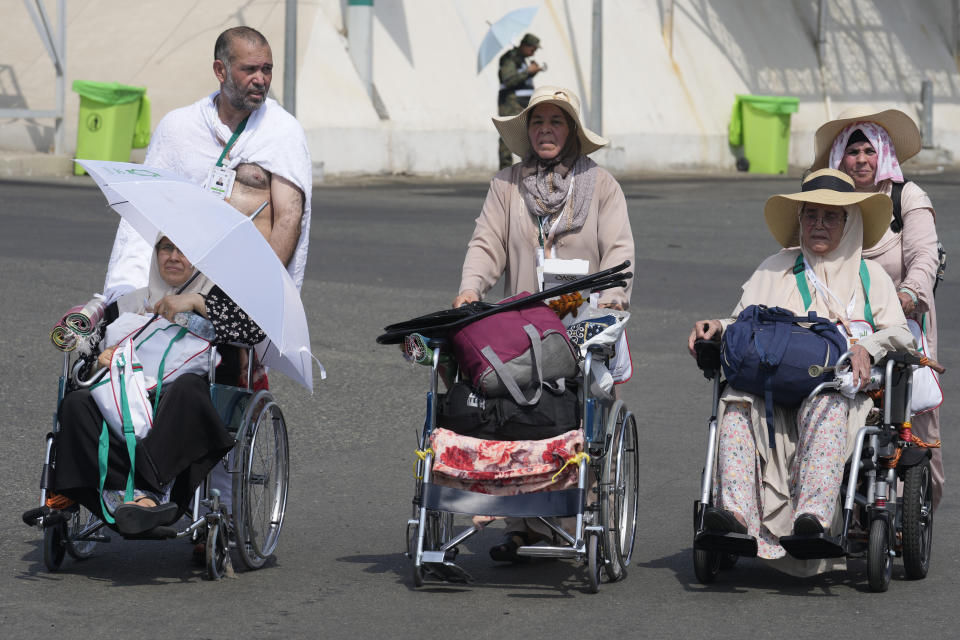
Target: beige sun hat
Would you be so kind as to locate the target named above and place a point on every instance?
(900, 127)
(513, 129)
(827, 186)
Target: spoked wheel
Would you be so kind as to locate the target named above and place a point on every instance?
(706, 565)
(879, 562)
(595, 563)
(917, 520)
(260, 486)
(78, 521)
(619, 487)
(216, 551)
(54, 546)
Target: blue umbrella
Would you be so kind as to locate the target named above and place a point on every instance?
(502, 32)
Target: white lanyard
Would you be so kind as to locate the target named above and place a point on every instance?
(825, 291)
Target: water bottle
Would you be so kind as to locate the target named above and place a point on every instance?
(196, 324)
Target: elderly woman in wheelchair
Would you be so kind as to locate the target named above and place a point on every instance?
(773, 474)
(140, 483)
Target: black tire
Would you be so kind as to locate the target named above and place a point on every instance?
(728, 561)
(706, 565)
(215, 553)
(879, 561)
(917, 515)
(595, 563)
(620, 479)
(54, 546)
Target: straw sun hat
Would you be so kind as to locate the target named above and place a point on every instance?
(832, 187)
(900, 127)
(513, 129)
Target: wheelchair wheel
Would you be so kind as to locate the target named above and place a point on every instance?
(79, 520)
(216, 551)
(879, 562)
(917, 514)
(261, 482)
(706, 565)
(54, 546)
(595, 563)
(438, 530)
(620, 478)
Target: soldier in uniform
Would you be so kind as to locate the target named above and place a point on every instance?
(516, 84)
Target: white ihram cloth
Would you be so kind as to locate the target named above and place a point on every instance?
(188, 141)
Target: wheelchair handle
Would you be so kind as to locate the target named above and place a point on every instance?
(92, 380)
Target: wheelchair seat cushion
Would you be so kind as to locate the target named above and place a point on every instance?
(505, 467)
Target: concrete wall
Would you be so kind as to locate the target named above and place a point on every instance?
(666, 103)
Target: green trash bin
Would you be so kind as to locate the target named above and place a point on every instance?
(110, 114)
(761, 124)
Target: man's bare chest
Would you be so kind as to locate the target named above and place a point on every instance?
(253, 176)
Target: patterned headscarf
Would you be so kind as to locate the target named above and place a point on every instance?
(888, 167)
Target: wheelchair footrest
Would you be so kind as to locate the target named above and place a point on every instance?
(437, 564)
(813, 546)
(157, 533)
(739, 544)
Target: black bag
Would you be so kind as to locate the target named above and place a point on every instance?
(464, 412)
(897, 226)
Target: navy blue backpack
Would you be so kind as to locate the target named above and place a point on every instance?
(768, 352)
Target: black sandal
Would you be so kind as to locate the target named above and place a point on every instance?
(133, 519)
(715, 519)
(506, 550)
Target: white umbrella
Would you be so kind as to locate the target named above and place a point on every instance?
(502, 32)
(222, 243)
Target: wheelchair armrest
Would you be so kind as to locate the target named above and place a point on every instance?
(603, 351)
(708, 357)
(902, 357)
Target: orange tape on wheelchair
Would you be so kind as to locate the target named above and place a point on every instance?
(57, 501)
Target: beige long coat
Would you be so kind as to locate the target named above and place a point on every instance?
(506, 238)
(774, 284)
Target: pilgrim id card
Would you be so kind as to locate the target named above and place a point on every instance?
(220, 182)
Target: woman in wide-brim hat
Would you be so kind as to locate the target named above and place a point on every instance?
(555, 203)
(556, 198)
(869, 146)
(792, 485)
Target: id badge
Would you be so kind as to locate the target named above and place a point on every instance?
(220, 182)
(540, 269)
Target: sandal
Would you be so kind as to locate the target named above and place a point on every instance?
(715, 519)
(807, 524)
(132, 518)
(506, 550)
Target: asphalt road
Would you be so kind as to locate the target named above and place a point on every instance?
(387, 252)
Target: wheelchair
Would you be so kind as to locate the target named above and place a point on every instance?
(886, 493)
(258, 469)
(604, 501)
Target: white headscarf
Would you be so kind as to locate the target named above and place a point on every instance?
(157, 288)
(839, 271)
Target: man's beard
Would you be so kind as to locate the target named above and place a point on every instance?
(237, 99)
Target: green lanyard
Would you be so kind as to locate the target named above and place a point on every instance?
(233, 138)
(799, 269)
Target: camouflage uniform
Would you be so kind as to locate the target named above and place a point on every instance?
(513, 79)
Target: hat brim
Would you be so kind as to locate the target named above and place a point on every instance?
(780, 213)
(899, 126)
(513, 129)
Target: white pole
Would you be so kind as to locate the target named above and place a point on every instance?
(290, 58)
(596, 70)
